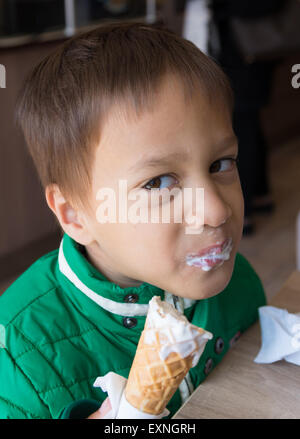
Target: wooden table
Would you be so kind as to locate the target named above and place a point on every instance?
(240, 388)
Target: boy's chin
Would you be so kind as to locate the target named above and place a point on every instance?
(212, 283)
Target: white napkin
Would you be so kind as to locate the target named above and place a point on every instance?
(114, 385)
(280, 332)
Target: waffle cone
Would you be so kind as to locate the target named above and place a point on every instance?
(153, 380)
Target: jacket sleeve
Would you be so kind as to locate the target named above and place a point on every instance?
(18, 397)
(80, 409)
(20, 400)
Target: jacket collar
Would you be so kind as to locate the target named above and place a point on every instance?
(110, 296)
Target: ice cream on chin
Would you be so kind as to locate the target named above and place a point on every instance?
(168, 347)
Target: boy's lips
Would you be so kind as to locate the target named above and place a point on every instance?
(210, 256)
(215, 248)
(212, 249)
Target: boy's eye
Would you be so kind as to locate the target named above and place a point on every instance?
(223, 165)
(160, 182)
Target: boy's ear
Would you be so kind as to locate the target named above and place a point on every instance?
(67, 216)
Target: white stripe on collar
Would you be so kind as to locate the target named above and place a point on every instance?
(123, 309)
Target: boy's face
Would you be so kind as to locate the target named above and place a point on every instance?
(128, 253)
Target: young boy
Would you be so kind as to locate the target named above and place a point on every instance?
(135, 103)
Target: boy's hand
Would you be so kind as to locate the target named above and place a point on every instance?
(102, 411)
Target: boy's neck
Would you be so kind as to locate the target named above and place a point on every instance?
(93, 257)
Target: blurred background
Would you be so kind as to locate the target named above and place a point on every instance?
(262, 63)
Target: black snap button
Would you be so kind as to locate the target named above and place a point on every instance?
(129, 322)
(208, 366)
(219, 345)
(131, 298)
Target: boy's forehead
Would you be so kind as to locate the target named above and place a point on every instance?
(130, 109)
(162, 112)
(132, 136)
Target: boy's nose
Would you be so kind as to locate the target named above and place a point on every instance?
(210, 209)
(216, 209)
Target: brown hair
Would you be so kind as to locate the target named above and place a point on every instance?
(67, 96)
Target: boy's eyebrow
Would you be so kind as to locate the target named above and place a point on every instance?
(167, 158)
(160, 160)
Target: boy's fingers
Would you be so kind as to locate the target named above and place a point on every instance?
(102, 411)
(105, 407)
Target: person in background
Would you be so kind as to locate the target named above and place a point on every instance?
(252, 87)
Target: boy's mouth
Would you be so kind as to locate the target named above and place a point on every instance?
(210, 257)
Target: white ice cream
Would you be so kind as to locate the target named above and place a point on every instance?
(213, 256)
(176, 333)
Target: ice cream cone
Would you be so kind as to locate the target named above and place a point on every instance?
(168, 347)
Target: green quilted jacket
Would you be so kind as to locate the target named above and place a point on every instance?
(63, 324)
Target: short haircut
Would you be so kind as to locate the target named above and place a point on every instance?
(66, 97)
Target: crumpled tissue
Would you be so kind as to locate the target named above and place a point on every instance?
(114, 385)
(280, 331)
